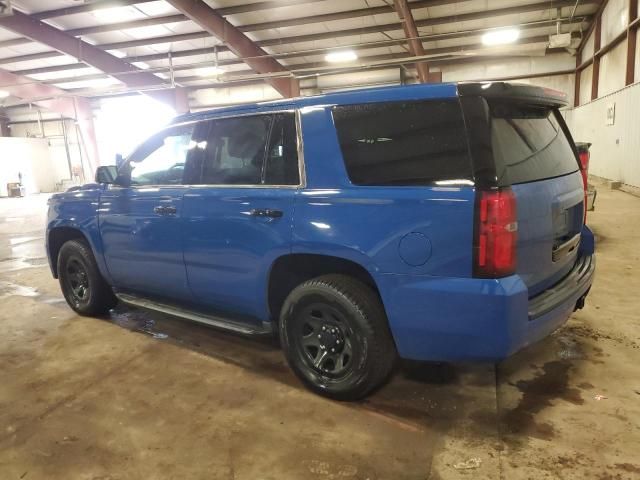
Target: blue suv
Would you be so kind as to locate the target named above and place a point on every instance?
(440, 222)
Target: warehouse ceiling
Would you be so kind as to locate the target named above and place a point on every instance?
(156, 45)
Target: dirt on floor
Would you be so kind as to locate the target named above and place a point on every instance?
(139, 395)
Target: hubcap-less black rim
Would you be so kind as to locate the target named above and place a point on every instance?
(326, 341)
(77, 280)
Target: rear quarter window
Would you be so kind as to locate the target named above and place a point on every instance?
(403, 143)
(529, 143)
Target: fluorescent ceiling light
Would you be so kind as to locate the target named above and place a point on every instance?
(341, 56)
(4, 94)
(208, 71)
(114, 14)
(118, 53)
(501, 37)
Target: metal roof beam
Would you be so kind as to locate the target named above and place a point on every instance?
(98, 5)
(287, 55)
(411, 32)
(86, 7)
(458, 49)
(119, 69)
(241, 45)
(146, 22)
(264, 25)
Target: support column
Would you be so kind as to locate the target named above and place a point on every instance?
(84, 119)
(576, 87)
(177, 98)
(632, 34)
(411, 32)
(5, 131)
(595, 77)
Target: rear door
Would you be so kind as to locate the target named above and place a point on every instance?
(533, 154)
(238, 211)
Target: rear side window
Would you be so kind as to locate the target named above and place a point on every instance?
(529, 144)
(236, 148)
(281, 164)
(245, 150)
(403, 143)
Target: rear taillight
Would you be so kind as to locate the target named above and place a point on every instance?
(584, 167)
(496, 233)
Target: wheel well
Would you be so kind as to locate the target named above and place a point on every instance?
(58, 237)
(290, 271)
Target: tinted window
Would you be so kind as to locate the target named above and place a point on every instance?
(249, 150)
(403, 143)
(160, 160)
(234, 151)
(529, 144)
(281, 166)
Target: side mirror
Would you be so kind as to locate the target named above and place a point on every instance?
(107, 175)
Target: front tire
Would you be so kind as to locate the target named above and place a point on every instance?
(336, 338)
(82, 285)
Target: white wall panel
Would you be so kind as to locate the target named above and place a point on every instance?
(233, 95)
(57, 169)
(614, 153)
(615, 18)
(612, 69)
(29, 157)
(585, 84)
(506, 68)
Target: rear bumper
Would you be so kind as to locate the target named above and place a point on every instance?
(455, 319)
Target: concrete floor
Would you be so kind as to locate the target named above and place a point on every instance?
(142, 396)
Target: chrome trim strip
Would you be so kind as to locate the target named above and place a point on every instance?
(566, 248)
(211, 320)
(576, 280)
(302, 171)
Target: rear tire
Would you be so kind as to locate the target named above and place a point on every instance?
(82, 285)
(335, 335)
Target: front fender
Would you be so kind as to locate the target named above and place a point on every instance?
(77, 210)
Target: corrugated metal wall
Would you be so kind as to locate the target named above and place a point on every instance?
(615, 153)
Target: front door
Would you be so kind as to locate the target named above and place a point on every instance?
(141, 224)
(238, 218)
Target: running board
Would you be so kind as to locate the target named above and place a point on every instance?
(211, 320)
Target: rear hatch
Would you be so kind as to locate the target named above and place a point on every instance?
(527, 147)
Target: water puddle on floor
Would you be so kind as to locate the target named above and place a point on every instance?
(9, 289)
(20, 240)
(136, 321)
(13, 264)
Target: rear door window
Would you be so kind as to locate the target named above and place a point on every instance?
(246, 150)
(403, 143)
(529, 143)
(281, 164)
(235, 151)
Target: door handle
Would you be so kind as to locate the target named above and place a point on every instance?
(265, 212)
(165, 210)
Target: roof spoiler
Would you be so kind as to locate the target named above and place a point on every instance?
(517, 91)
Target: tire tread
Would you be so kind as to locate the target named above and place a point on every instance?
(103, 298)
(381, 351)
